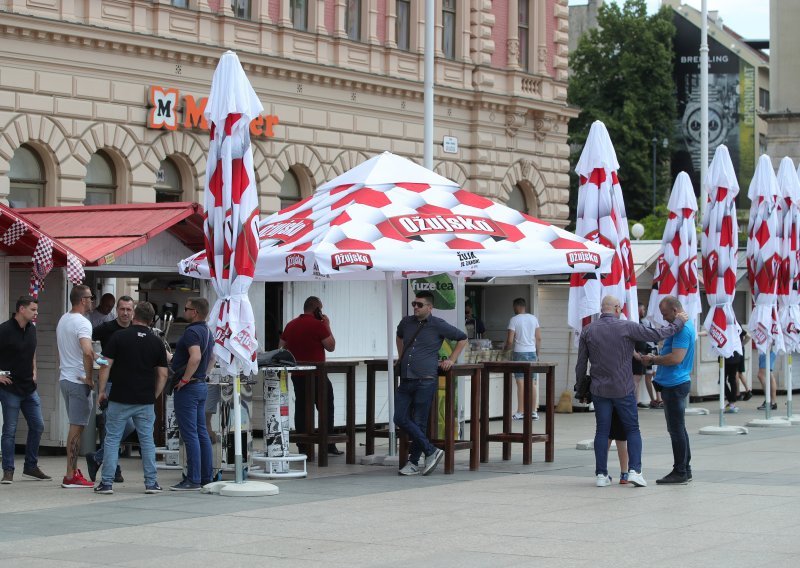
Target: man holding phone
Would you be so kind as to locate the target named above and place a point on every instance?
(308, 337)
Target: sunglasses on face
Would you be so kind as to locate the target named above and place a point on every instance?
(189, 310)
(418, 304)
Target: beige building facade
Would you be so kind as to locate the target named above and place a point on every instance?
(101, 100)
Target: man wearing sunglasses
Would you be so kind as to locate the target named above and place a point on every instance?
(419, 338)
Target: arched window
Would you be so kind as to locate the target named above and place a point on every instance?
(168, 183)
(516, 200)
(27, 179)
(101, 183)
(290, 190)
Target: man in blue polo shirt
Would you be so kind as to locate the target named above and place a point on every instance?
(419, 338)
(674, 379)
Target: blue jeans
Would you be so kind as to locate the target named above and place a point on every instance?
(629, 416)
(31, 408)
(101, 424)
(190, 405)
(144, 417)
(675, 411)
(412, 407)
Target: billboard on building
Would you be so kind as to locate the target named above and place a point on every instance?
(731, 105)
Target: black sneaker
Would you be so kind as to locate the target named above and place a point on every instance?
(773, 406)
(91, 466)
(103, 489)
(186, 485)
(153, 489)
(748, 395)
(673, 478)
(36, 474)
(118, 476)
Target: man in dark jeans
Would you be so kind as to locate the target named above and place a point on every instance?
(673, 378)
(18, 389)
(419, 338)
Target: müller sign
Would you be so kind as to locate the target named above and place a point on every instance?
(163, 113)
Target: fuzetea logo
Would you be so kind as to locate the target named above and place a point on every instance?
(163, 114)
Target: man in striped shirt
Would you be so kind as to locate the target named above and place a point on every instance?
(607, 343)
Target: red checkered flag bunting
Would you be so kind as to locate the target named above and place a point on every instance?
(75, 272)
(42, 260)
(14, 232)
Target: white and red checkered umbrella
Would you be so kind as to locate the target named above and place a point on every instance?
(602, 219)
(232, 214)
(789, 278)
(719, 245)
(390, 215)
(676, 268)
(764, 253)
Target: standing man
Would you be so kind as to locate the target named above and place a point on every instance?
(674, 365)
(103, 333)
(773, 384)
(524, 335)
(474, 326)
(76, 358)
(308, 337)
(193, 357)
(18, 389)
(103, 312)
(607, 343)
(141, 373)
(419, 338)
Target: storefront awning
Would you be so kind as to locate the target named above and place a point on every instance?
(103, 233)
(20, 236)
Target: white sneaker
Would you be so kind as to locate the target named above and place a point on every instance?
(535, 416)
(603, 480)
(517, 416)
(409, 469)
(636, 478)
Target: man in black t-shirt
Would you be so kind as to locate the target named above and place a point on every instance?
(18, 389)
(103, 334)
(141, 373)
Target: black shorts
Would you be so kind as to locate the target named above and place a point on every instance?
(617, 431)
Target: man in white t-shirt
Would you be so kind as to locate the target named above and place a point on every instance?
(523, 338)
(76, 359)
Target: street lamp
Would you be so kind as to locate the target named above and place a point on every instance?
(654, 142)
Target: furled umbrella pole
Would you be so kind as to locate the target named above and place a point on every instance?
(676, 268)
(602, 219)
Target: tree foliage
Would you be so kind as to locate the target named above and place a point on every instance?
(622, 75)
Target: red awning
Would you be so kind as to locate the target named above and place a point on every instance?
(103, 233)
(19, 236)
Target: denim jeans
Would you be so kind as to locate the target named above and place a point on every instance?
(524, 356)
(144, 417)
(101, 426)
(629, 416)
(31, 408)
(675, 411)
(412, 407)
(190, 405)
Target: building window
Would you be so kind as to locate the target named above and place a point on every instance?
(27, 179)
(168, 183)
(241, 9)
(524, 33)
(290, 190)
(449, 28)
(299, 14)
(403, 24)
(523, 199)
(763, 99)
(180, 3)
(101, 183)
(352, 20)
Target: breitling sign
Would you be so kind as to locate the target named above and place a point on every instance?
(164, 107)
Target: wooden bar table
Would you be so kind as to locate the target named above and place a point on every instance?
(320, 436)
(449, 443)
(527, 437)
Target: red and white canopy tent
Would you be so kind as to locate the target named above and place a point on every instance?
(389, 219)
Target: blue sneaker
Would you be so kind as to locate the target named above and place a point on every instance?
(103, 489)
(186, 485)
(155, 488)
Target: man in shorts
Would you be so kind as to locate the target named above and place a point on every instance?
(76, 359)
(524, 336)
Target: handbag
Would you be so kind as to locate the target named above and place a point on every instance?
(405, 347)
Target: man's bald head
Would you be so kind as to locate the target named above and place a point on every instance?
(610, 305)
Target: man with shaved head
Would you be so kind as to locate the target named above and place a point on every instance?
(607, 343)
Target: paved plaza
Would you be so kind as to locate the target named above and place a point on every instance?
(743, 509)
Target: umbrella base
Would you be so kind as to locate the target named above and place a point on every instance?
(244, 489)
(695, 412)
(723, 430)
(774, 422)
(793, 419)
(273, 465)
